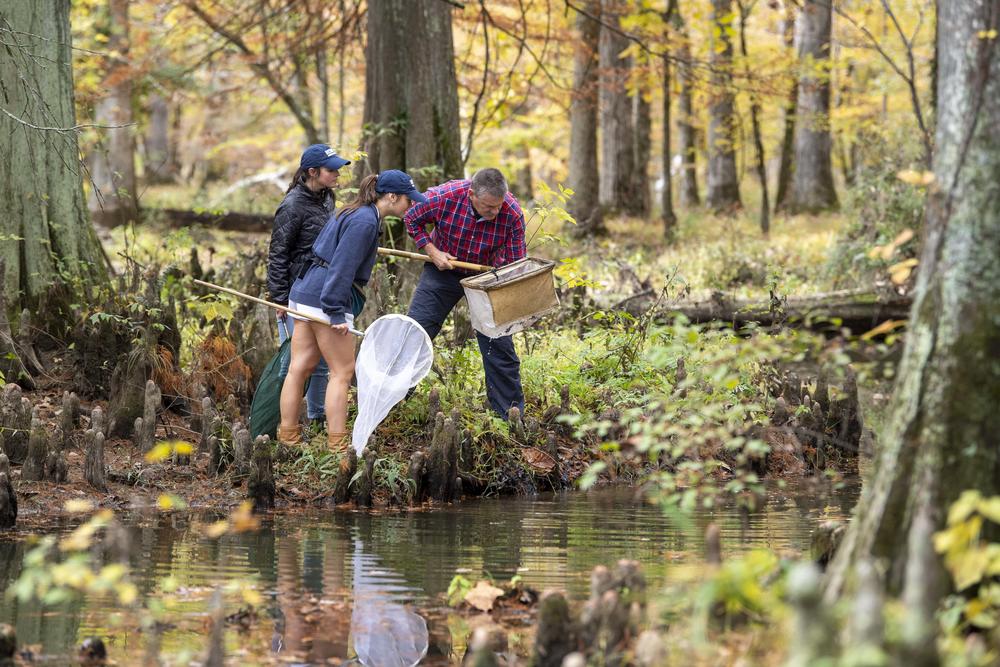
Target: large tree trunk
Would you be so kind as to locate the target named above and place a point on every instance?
(812, 184)
(583, 170)
(616, 117)
(160, 163)
(112, 200)
(667, 214)
(687, 133)
(723, 180)
(41, 199)
(637, 202)
(781, 197)
(758, 141)
(411, 93)
(941, 438)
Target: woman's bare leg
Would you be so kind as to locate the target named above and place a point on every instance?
(338, 350)
(305, 356)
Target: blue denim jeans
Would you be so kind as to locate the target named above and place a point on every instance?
(435, 296)
(316, 394)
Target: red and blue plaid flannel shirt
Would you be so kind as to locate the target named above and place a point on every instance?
(462, 233)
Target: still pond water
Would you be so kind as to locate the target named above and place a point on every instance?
(335, 585)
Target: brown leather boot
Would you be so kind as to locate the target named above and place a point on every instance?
(339, 441)
(291, 437)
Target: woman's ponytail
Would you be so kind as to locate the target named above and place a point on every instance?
(366, 195)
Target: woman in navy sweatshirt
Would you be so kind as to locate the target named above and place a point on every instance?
(332, 289)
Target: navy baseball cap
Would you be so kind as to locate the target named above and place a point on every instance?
(400, 183)
(321, 155)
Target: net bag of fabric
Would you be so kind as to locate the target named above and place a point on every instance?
(265, 409)
(395, 355)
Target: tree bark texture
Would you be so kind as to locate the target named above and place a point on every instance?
(812, 183)
(785, 170)
(411, 92)
(161, 162)
(758, 142)
(583, 169)
(723, 179)
(42, 207)
(687, 132)
(638, 202)
(112, 196)
(616, 115)
(941, 436)
(667, 214)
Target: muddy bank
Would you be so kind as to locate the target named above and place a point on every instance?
(58, 448)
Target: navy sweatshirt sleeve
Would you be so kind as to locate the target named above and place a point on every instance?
(358, 242)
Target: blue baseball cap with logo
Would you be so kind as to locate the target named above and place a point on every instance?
(321, 155)
(400, 183)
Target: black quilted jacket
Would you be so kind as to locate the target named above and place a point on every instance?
(297, 222)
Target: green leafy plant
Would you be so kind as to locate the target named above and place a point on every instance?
(973, 562)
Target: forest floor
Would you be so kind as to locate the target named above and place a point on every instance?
(795, 256)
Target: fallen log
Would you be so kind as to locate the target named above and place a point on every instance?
(230, 221)
(857, 310)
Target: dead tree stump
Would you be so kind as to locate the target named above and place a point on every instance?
(214, 455)
(8, 636)
(69, 416)
(241, 450)
(415, 473)
(145, 426)
(261, 485)
(56, 469)
(366, 482)
(8, 498)
(614, 611)
(11, 364)
(342, 486)
(15, 422)
(442, 466)
(554, 639)
(208, 423)
(845, 415)
(128, 389)
(98, 421)
(516, 424)
(481, 649)
(825, 542)
(38, 451)
(433, 408)
(93, 467)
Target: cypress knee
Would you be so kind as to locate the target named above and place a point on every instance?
(38, 450)
(415, 473)
(261, 485)
(342, 487)
(366, 483)
(8, 499)
(93, 468)
(554, 637)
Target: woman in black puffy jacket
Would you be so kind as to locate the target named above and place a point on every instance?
(302, 214)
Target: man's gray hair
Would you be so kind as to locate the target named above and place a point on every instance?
(489, 182)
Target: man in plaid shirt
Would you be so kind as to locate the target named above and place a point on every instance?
(477, 221)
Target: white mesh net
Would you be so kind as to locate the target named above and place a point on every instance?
(395, 355)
